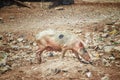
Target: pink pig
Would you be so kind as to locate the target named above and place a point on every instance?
(61, 41)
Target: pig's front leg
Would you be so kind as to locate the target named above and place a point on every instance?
(63, 53)
(76, 54)
(38, 55)
(84, 54)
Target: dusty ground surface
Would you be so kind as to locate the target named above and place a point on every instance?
(19, 25)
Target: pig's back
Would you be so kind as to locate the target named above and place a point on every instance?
(62, 38)
(66, 39)
(44, 33)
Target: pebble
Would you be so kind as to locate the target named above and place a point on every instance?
(15, 47)
(20, 39)
(59, 8)
(109, 21)
(52, 71)
(56, 71)
(106, 28)
(1, 37)
(3, 58)
(117, 24)
(106, 62)
(50, 54)
(14, 42)
(89, 74)
(12, 17)
(34, 44)
(105, 78)
(105, 35)
(1, 20)
(3, 69)
(117, 48)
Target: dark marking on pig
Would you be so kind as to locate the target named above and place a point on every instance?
(61, 36)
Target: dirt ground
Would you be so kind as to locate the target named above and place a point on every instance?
(79, 18)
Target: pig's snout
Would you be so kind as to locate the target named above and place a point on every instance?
(85, 56)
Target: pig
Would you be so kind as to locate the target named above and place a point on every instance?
(53, 40)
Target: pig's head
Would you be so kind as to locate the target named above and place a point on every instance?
(84, 54)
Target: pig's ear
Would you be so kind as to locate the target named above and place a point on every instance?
(81, 44)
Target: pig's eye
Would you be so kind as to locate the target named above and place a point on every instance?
(61, 36)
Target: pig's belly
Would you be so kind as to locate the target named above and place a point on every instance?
(53, 48)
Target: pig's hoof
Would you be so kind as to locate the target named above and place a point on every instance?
(85, 62)
(91, 63)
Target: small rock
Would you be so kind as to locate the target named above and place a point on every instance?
(11, 39)
(1, 37)
(117, 24)
(108, 48)
(109, 21)
(64, 71)
(20, 39)
(1, 20)
(106, 62)
(105, 78)
(78, 32)
(95, 55)
(34, 44)
(3, 58)
(15, 47)
(106, 28)
(3, 69)
(113, 32)
(12, 17)
(117, 64)
(59, 8)
(27, 47)
(100, 46)
(112, 58)
(85, 71)
(55, 71)
(14, 42)
(24, 41)
(105, 35)
(52, 71)
(50, 54)
(89, 74)
(9, 34)
(117, 48)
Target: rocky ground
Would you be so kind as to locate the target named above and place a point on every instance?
(97, 24)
